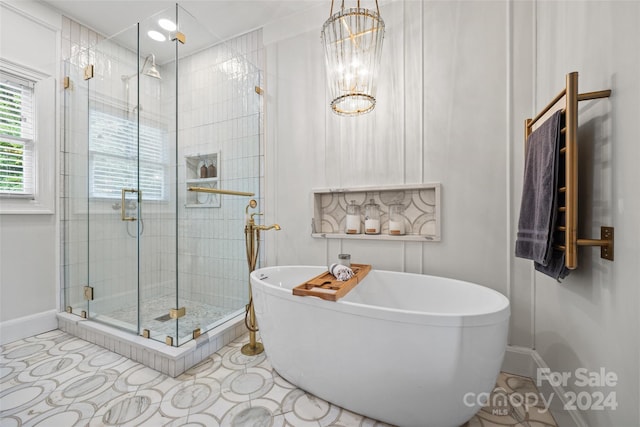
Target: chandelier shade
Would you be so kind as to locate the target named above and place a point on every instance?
(352, 40)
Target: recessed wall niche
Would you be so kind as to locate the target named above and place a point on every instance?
(421, 211)
(203, 170)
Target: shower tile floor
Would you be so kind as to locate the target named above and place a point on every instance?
(154, 315)
(55, 379)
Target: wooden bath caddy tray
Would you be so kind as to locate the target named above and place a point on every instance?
(327, 287)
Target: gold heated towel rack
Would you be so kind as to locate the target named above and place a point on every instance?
(567, 101)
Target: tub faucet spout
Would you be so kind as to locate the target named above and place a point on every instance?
(252, 242)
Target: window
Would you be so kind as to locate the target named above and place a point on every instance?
(17, 131)
(113, 155)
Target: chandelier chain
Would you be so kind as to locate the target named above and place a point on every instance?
(342, 7)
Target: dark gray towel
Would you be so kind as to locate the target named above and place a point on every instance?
(539, 206)
(556, 267)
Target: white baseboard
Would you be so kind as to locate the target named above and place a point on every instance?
(27, 326)
(526, 362)
(520, 361)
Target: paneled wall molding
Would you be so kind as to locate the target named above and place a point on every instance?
(438, 118)
(34, 12)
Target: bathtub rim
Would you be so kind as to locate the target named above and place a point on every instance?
(501, 315)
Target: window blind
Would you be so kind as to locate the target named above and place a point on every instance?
(17, 140)
(113, 157)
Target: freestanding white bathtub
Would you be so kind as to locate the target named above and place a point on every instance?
(407, 349)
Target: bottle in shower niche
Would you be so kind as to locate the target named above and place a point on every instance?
(212, 172)
(396, 220)
(371, 218)
(353, 218)
(203, 170)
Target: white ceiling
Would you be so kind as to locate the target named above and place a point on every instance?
(223, 18)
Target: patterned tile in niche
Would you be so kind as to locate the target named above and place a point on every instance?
(419, 209)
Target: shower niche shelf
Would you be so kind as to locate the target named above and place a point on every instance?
(202, 170)
(421, 203)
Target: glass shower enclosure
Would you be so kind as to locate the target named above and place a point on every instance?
(148, 113)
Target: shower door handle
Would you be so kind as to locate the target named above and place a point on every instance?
(123, 215)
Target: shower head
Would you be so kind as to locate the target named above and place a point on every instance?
(152, 71)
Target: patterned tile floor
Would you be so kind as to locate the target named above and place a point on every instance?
(55, 379)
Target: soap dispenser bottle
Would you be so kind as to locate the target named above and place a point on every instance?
(371, 218)
(212, 172)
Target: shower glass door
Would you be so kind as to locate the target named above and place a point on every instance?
(158, 263)
(131, 183)
(113, 202)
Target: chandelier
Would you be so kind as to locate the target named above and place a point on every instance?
(352, 40)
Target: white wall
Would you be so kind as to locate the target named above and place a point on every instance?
(591, 319)
(440, 117)
(29, 245)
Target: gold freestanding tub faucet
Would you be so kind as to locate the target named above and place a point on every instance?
(252, 243)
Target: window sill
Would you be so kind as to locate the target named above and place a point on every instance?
(11, 206)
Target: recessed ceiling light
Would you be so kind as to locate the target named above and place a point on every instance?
(167, 24)
(156, 35)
